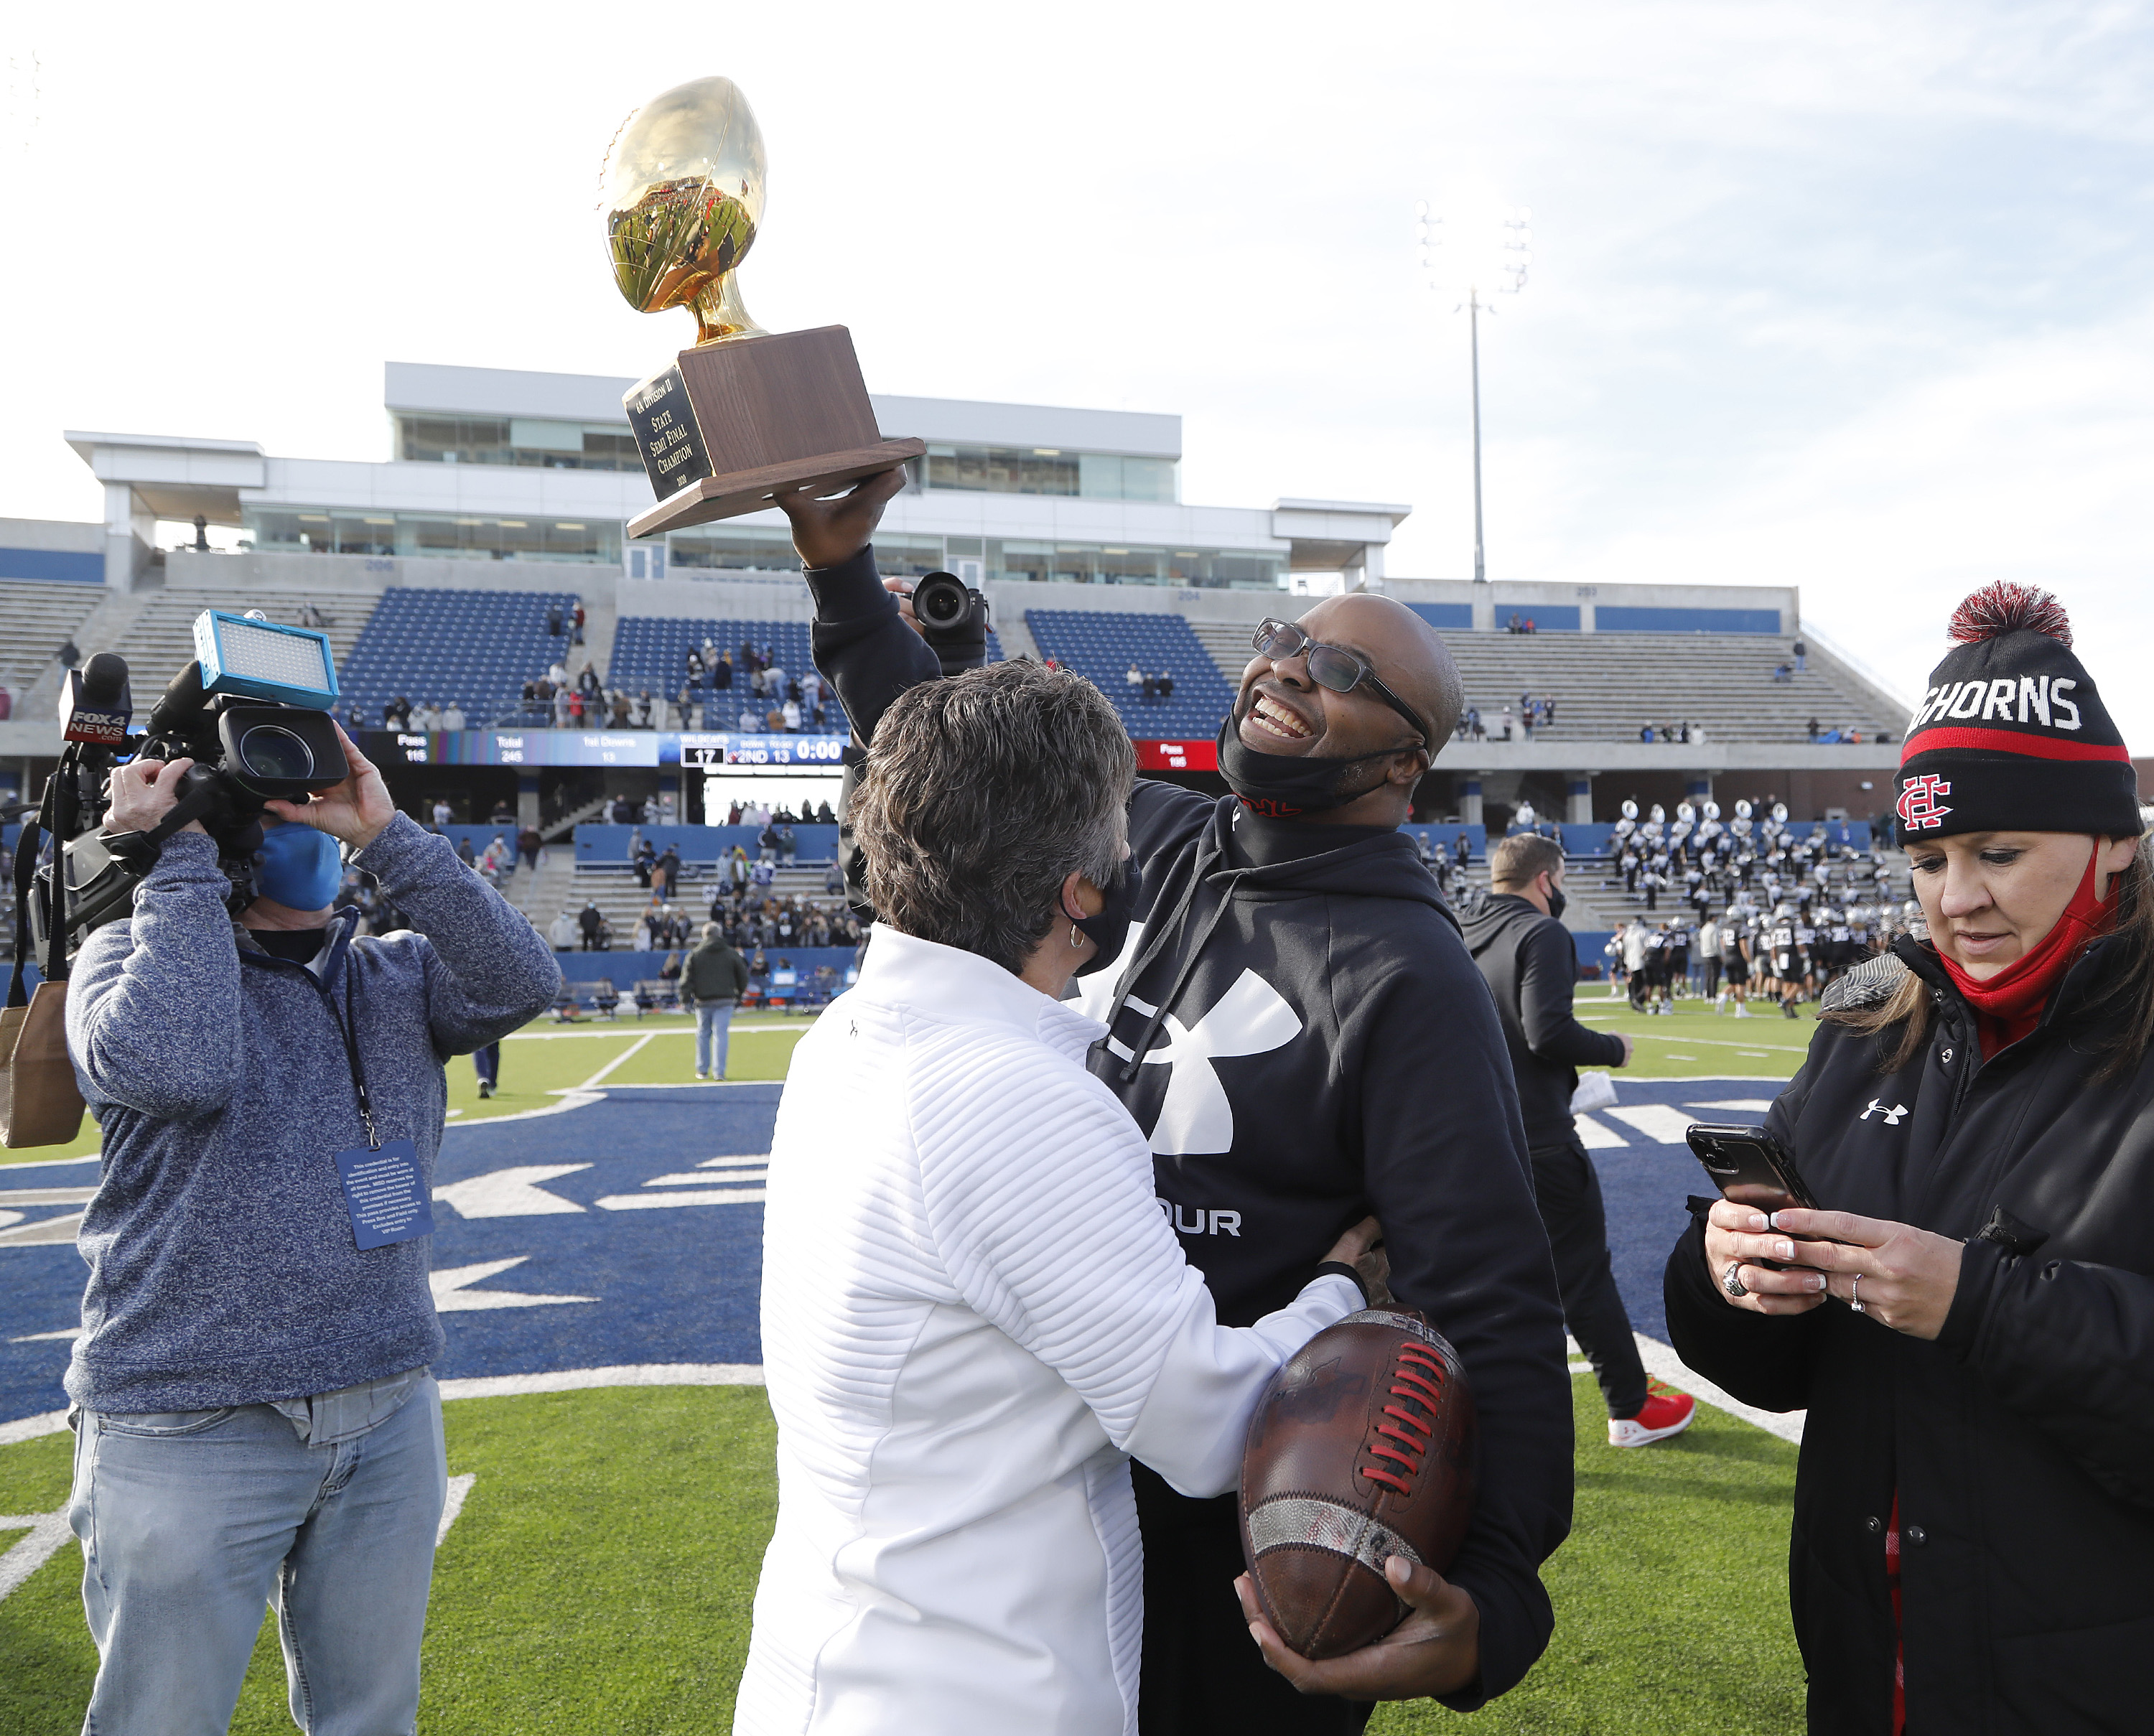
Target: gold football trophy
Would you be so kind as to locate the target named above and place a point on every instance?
(745, 413)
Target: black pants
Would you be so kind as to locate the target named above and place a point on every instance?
(1567, 1190)
(1203, 1675)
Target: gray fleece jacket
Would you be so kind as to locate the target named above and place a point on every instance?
(223, 1266)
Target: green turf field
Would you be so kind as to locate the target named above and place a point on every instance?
(601, 1576)
(545, 1057)
(1694, 1042)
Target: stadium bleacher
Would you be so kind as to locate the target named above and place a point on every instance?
(651, 651)
(1102, 645)
(161, 639)
(40, 615)
(475, 647)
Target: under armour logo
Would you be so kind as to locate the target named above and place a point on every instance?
(1250, 1018)
(1891, 1116)
(1918, 807)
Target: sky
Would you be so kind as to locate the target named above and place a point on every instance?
(1855, 297)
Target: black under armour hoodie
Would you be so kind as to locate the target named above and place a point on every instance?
(1317, 1044)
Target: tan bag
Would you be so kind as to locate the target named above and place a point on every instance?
(40, 1103)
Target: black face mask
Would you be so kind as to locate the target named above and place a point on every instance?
(1557, 902)
(1279, 786)
(1109, 930)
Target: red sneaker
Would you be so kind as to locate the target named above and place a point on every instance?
(1667, 1412)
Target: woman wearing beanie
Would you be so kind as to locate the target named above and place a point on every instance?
(1973, 1541)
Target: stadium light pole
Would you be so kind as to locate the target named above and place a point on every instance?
(1484, 249)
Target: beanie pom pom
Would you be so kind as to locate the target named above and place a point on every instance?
(2006, 607)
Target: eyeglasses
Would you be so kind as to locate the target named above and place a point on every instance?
(1331, 666)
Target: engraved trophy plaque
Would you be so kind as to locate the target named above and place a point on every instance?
(743, 413)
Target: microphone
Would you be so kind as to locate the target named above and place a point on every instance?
(96, 703)
(182, 701)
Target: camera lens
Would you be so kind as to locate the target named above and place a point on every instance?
(939, 600)
(266, 751)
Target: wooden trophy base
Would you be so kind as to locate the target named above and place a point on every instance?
(730, 425)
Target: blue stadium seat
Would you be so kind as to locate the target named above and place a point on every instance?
(475, 647)
(1102, 645)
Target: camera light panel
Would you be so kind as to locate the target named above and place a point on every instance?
(264, 659)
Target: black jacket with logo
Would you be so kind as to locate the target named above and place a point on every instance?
(1320, 1047)
(1531, 967)
(2020, 1443)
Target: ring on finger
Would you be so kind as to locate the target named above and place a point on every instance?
(1854, 1294)
(1732, 1279)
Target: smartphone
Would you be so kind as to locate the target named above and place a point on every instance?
(1752, 1168)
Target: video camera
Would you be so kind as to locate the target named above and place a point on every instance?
(251, 710)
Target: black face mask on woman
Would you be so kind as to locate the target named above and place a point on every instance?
(1281, 786)
(1111, 928)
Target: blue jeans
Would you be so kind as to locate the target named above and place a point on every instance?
(713, 1026)
(192, 1520)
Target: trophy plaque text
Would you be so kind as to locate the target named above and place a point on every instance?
(744, 414)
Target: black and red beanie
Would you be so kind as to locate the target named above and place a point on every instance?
(2012, 735)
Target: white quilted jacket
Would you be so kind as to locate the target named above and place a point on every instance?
(972, 1310)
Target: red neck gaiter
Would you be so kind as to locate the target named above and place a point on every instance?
(2009, 1005)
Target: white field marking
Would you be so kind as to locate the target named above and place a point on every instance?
(671, 1085)
(737, 1169)
(633, 1048)
(452, 1115)
(9, 1169)
(46, 1196)
(8, 1217)
(48, 1532)
(459, 1487)
(1657, 1121)
(570, 1100)
(1595, 1137)
(581, 1380)
(1578, 1368)
(1756, 1105)
(43, 1233)
(1662, 1361)
(1721, 1043)
(70, 1333)
(511, 1192)
(452, 1293)
(1671, 1055)
(708, 1196)
(30, 1429)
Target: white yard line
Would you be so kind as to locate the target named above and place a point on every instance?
(1662, 1363)
(632, 1049)
(459, 1487)
(48, 1532)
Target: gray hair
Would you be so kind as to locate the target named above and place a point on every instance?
(981, 794)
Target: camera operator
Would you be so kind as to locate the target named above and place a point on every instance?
(1974, 1539)
(1332, 1049)
(254, 1415)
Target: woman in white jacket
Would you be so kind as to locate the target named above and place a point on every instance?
(973, 1313)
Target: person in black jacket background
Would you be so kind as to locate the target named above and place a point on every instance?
(1973, 1540)
(1530, 964)
(1296, 1021)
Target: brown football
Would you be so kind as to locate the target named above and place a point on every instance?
(1361, 1447)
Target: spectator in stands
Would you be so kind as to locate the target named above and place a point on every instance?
(774, 680)
(590, 921)
(722, 673)
(554, 622)
(1134, 681)
(643, 857)
(641, 938)
(1802, 656)
(587, 678)
(576, 624)
(466, 854)
(791, 715)
(1784, 671)
(563, 708)
(69, 654)
(1547, 713)
(443, 812)
(665, 871)
(694, 661)
(1166, 685)
(528, 843)
(501, 814)
(1646, 733)
(1515, 625)
(811, 694)
(789, 847)
(8, 708)
(557, 672)
(750, 720)
(1148, 689)
(641, 718)
(1814, 728)
(823, 816)
(452, 715)
(774, 720)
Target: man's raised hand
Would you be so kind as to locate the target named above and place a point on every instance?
(827, 532)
